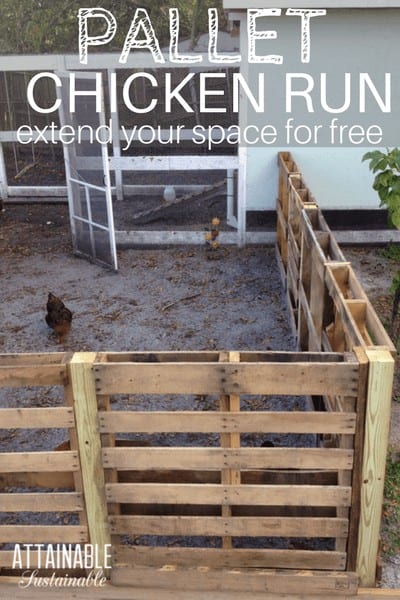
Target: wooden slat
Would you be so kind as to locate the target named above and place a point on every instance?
(252, 495)
(49, 480)
(239, 557)
(32, 360)
(213, 422)
(156, 556)
(229, 526)
(221, 458)
(247, 356)
(251, 581)
(162, 357)
(39, 461)
(36, 418)
(33, 376)
(244, 378)
(229, 440)
(42, 534)
(9, 589)
(54, 502)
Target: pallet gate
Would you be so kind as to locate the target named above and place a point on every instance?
(198, 503)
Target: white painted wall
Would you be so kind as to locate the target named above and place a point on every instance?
(336, 177)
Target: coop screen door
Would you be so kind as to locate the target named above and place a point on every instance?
(87, 168)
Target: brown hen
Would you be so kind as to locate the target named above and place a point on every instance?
(58, 317)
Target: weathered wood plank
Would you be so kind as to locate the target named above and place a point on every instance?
(42, 534)
(33, 376)
(229, 440)
(53, 502)
(35, 360)
(229, 526)
(161, 357)
(9, 589)
(377, 424)
(212, 422)
(239, 557)
(251, 581)
(247, 356)
(36, 418)
(252, 495)
(38, 461)
(46, 480)
(244, 378)
(226, 458)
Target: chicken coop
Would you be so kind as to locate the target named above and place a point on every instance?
(165, 178)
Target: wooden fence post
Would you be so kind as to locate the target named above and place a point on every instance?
(377, 424)
(89, 441)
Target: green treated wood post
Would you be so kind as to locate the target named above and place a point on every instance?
(377, 425)
(89, 443)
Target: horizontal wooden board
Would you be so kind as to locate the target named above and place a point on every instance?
(43, 534)
(292, 357)
(226, 458)
(157, 556)
(225, 422)
(53, 481)
(250, 581)
(50, 502)
(162, 357)
(231, 526)
(214, 494)
(248, 356)
(33, 360)
(38, 461)
(33, 376)
(244, 378)
(36, 418)
(9, 589)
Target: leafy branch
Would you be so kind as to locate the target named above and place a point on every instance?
(386, 167)
(387, 181)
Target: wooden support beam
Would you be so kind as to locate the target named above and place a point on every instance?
(85, 404)
(377, 424)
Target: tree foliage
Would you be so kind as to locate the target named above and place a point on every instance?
(386, 167)
(51, 26)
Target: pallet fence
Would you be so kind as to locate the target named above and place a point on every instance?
(330, 311)
(168, 456)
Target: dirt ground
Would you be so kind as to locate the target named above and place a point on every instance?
(161, 299)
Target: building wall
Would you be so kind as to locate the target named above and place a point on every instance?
(346, 40)
(337, 178)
